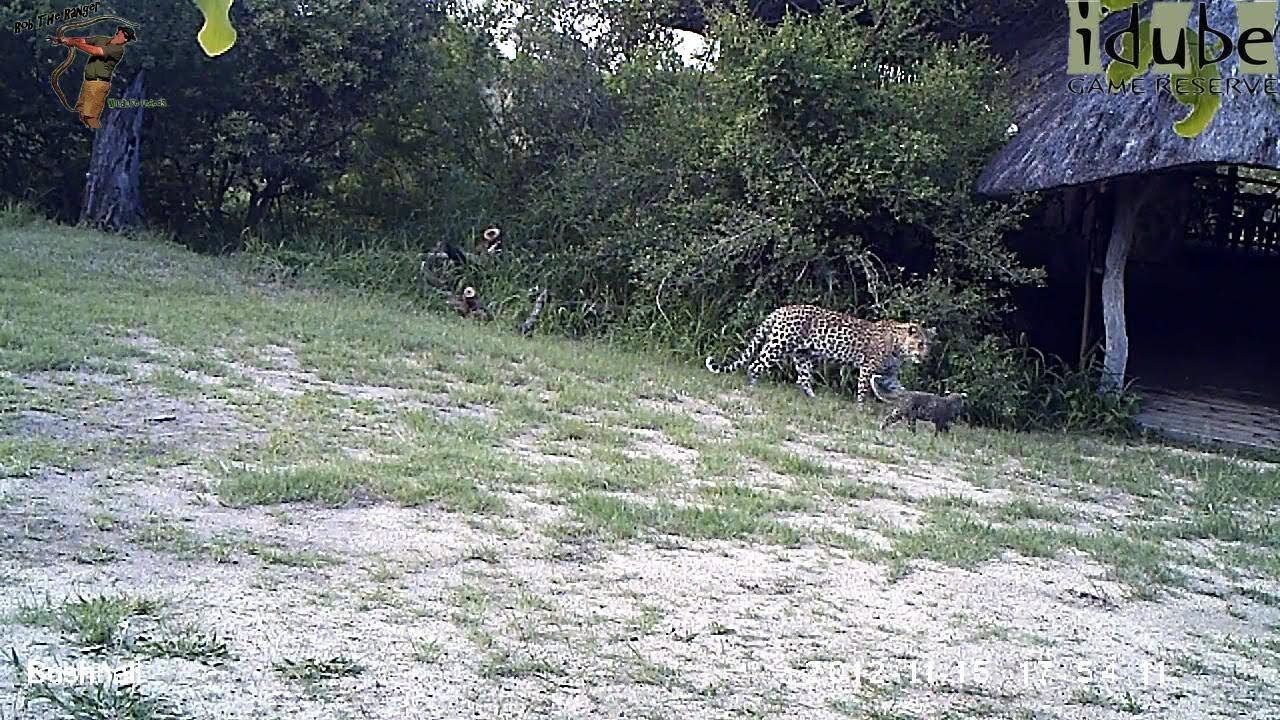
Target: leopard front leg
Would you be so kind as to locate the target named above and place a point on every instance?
(894, 416)
(804, 372)
(864, 382)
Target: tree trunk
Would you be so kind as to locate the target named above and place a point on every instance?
(112, 197)
(1130, 198)
(259, 202)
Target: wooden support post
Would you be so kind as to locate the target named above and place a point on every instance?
(1130, 198)
(1089, 229)
(1117, 343)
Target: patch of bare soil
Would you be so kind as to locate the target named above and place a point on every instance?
(448, 618)
(110, 407)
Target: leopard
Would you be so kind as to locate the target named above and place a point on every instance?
(913, 405)
(809, 333)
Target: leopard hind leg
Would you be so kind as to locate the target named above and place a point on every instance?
(804, 371)
(772, 354)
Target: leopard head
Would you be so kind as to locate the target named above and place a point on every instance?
(916, 340)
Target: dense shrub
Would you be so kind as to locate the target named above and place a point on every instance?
(791, 171)
(1017, 387)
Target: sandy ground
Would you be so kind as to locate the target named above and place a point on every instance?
(451, 615)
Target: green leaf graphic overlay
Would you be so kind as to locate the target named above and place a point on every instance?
(217, 36)
(1119, 73)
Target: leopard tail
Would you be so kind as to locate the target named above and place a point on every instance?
(747, 353)
(875, 388)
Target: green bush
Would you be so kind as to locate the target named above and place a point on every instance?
(789, 172)
(1017, 387)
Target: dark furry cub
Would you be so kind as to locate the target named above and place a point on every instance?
(912, 405)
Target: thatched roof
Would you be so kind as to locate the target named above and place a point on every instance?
(1065, 139)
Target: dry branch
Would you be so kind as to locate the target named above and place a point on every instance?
(527, 326)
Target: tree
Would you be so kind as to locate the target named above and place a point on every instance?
(112, 197)
(307, 78)
(275, 118)
(43, 149)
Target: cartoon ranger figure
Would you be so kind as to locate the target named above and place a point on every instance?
(105, 53)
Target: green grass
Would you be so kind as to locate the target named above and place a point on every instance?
(751, 500)
(719, 460)
(1024, 508)
(427, 651)
(22, 457)
(107, 700)
(611, 472)
(273, 554)
(187, 642)
(577, 430)
(767, 449)
(466, 394)
(448, 475)
(855, 490)
(618, 518)
(950, 537)
(93, 623)
(175, 384)
(512, 664)
(964, 538)
(317, 669)
(162, 535)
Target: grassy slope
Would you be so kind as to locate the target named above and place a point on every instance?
(346, 401)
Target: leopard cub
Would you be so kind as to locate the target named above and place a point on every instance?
(913, 405)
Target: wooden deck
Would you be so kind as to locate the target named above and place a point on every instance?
(1227, 417)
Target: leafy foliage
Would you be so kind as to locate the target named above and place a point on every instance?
(1015, 386)
(791, 171)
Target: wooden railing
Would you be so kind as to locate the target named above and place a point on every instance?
(1238, 216)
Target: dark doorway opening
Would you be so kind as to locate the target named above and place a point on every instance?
(1209, 316)
(1202, 301)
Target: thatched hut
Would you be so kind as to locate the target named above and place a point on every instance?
(1193, 222)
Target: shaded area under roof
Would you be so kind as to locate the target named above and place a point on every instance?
(1066, 139)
